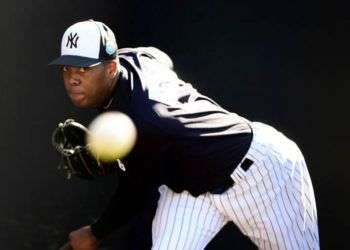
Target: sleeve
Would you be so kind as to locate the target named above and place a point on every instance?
(136, 189)
(116, 213)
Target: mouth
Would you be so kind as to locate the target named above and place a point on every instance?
(77, 97)
(75, 93)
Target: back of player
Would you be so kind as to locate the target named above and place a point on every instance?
(271, 198)
(272, 202)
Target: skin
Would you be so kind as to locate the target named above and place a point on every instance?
(82, 239)
(90, 87)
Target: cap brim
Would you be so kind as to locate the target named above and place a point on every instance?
(78, 61)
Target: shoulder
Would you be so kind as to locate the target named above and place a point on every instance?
(151, 75)
(148, 52)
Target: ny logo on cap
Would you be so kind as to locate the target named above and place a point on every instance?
(72, 40)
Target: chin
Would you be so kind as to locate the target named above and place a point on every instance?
(84, 104)
(80, 103)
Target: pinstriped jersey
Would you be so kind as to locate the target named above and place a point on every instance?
(185, 139)
(196, 142)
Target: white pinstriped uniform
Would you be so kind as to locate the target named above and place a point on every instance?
(272, 202)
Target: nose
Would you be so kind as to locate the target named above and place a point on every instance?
(73, 76)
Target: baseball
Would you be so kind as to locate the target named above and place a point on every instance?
(112, 136)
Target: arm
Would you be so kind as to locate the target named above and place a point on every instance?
(133, 199)
(119, 210)
(136, 189)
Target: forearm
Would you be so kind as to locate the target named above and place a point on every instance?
(128, 201)
(117, 213)
(137, 188)
(111, 219)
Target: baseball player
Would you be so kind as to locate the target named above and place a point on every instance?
(210, 166)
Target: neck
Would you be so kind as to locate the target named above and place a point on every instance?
(113, 85)
(114, 82)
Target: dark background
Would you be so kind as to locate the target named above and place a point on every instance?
(269, 62)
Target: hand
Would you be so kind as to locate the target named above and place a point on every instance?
(83, 239)
(66, 246)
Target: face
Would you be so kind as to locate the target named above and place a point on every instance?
(89, 87)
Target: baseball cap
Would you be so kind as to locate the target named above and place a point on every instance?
(86, 44)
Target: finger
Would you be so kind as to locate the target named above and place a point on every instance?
(66, 246)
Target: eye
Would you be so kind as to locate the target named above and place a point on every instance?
(84, 69)
(64, 68)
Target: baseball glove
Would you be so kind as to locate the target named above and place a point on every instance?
(69, 140)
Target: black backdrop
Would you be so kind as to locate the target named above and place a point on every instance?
(272, 63)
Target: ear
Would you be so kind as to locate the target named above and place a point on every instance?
(112, 69)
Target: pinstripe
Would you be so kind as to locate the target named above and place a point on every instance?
(273, 211)
(211, 221)
(195, 228)
(261, 219)
(311, 237)
(311, 207)
(204, 222)
(292, 223)
(182, 218)
(156, 221)
(173, 224)
(166, 202)
(237, 201)
(257, 154)
(302, 219)
(262, 155)
(194, 204)
(302, 178)
(283, 232)
(242, 210)
(307, 242)
(213, 230)
(268, 216)
(295, 213)
(238, 220)
(166, 221)
(209, 206)
(306, 211)
(250, 211)
(313, 234)
(308, 199)
(221, 207)
(266, 211)
(274, 171)
(202, 244)
(284, 205)
(174, 235)
(280, 211)
(220, 222)
(163, 197)
(299, 182)
(239, 175)
(296, 200)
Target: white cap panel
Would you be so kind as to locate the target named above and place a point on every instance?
(81, 39)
